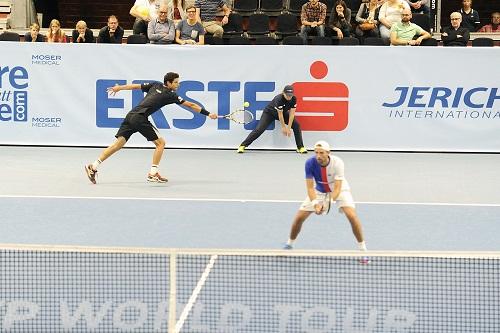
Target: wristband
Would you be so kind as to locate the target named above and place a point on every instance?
(204, 112)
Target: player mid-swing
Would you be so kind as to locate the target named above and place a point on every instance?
(327, 172)
(157, 96)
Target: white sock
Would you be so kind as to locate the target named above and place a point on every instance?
(154, 169)
(362, 246)
(96, 164)
(290, 242)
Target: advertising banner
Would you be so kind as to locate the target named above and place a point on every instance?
(358, 98)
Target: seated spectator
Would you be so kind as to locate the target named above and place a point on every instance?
(367, 20)
(176, 11)
(403, 33)
(470, 17)
(340, 20)
(55, 34)
(112, 33)
(455, 35)
(144, 12)
(190, 31)
(312, 17)
(206, 14)
(390, 13)
(161, 30)
(34, 34)
(82, 34)
(495, 24)
(419, 6)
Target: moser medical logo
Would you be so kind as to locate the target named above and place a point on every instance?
(46, 59)
(444, 103)
(13, 94)
(321, 106)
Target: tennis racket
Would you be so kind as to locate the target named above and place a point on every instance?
(240, 116)
(327, 201)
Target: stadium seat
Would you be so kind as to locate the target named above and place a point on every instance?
(271, 7)
(316, 40)
(137, 39)
(286, 25)
(8, 36)
(265, 40)
(295, 6)
(245, 7)
(483, 41)
(374, 41)
(234, 26)
(349, 41)
(293, 40)
(239, 40)
(258, 25)
(422, 20)
(429, 42)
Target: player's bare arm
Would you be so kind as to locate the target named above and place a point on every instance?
(113, 90)
(337, 186)
(291, 116)
(198, 109)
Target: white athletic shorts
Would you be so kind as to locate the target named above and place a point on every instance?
(344, 200)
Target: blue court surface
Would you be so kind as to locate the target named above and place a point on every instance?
(219, 199)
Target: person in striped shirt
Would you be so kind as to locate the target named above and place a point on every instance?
(325, 174)
(206, 14)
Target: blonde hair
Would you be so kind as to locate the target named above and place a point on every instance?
(59, 36)
(81, 24)
(35, 26)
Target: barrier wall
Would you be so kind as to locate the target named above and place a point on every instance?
(359, 98)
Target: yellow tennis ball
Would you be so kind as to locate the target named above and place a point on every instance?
(246, 104)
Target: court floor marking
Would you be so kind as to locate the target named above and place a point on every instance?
(242, 200)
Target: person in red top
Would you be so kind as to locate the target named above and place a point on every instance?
(495, 24)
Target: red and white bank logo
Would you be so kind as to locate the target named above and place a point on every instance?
(321, 106)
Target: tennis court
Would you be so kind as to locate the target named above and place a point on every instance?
(244, 206)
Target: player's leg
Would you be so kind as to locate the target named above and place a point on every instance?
(305, 210)
(151, 134)
(352, 217)
(122, 136)
(265, 120)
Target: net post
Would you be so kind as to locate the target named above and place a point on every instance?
(173, 292)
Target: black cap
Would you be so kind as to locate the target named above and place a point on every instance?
(288, 90)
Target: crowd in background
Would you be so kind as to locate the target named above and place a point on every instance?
(175, 22)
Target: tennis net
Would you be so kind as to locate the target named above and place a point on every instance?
(73, 289)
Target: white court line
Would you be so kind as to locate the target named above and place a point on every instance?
(244, 200)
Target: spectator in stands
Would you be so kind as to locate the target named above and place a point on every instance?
(340, 20)
(161, 30)
(82, 34)
(176, 11)
(404, 32)
(55, 34)
(206, 14)
(419, 6)
(144, 11)
(312, 17)
(367, 20)
(112, 33)
(390, 13)
(190, 31)
(455, 35)
(495, 24)
(470, 17)
(34, 34)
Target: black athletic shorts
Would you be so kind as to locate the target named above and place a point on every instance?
(137, 122)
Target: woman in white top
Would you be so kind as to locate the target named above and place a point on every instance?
(367, 14)
(390, 13)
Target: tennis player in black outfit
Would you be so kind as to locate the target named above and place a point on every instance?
(157, 96)
(281, 108)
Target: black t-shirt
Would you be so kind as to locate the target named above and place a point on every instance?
(157, 95)
(280, 103)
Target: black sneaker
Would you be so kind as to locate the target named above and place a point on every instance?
(91, 173)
